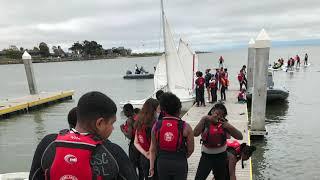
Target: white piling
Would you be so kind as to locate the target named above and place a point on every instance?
(250, 64)
(260, 73)
(26, 57)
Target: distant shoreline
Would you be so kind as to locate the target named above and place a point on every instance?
(7, 61)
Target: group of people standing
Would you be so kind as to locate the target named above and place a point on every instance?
(160, 143)
(291, 61)
(212, 83)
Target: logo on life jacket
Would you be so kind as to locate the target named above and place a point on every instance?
(68, 177)
(71, 159)
(168, 136)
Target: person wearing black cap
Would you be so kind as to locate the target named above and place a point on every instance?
(84, 152)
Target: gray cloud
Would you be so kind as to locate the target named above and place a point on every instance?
(136, 24)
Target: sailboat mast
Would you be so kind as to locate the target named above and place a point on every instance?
(165, 42)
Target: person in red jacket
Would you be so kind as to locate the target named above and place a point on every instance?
(129, 131)
(237, 152)
(172, 141)
(146, 119)
(84, 152)
(200, 82)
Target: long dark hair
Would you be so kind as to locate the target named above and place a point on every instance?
(146, 116)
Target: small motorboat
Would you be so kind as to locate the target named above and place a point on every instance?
(140, 74)
(273, 94)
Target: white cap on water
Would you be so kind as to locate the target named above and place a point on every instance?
(263, 40)
(26, 55)
(251, 43)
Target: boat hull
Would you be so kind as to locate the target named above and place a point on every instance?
(138, 76)
(273, 95)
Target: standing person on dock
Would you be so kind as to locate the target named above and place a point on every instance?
(241, 80)
(172, 141)
(146, 119)
(200, 82)
(213, 88)
(84, 152)
(217, 77)
(223, 83)
(207, 77)
(298, 60)
(129, 131)
(214, 129)
(237, 152)
(226, 75)
(221, 61)
(306, 59)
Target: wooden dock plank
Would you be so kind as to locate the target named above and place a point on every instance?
(17, 104)
(237, 116)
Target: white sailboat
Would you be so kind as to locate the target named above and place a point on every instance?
(175, 71)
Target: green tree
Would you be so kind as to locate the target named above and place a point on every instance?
(92, 48)
(13, 54)
(44, 49)
(76, 48)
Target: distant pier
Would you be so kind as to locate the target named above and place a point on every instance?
(30, 102)
(237, 116)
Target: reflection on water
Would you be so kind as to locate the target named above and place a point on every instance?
(39, 128)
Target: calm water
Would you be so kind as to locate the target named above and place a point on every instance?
(290, 151)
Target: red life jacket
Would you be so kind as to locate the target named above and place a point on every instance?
(233, 146)
(143, 139)
(201, 82)
(169, 134)
(213, 84)
(213, 135)
(240, 77)
(72, 157)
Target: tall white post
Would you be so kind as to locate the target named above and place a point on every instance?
(29, 71)
(260, 73)
(250, 65)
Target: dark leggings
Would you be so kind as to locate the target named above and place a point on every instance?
(223, 92)
(172, 168)
(215, 162)
(214, 94)
(200, 95)
(134, 156)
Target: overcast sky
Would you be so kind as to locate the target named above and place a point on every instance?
(207, 24)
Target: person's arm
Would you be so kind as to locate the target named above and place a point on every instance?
(139, 148)
(234, 132)
(126, 170)
(36, 171)
(198, 129)
(232, 161)
(153, 150)
(190, 139)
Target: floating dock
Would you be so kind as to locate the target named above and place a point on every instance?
(237, 116)
(24, 104)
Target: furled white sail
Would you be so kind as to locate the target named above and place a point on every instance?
(160, 75)
(189, 61)
(175, 74)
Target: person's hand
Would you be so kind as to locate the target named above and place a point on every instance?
(151, 172)
(225, 124)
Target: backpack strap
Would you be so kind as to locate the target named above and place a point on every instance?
(180, 133)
